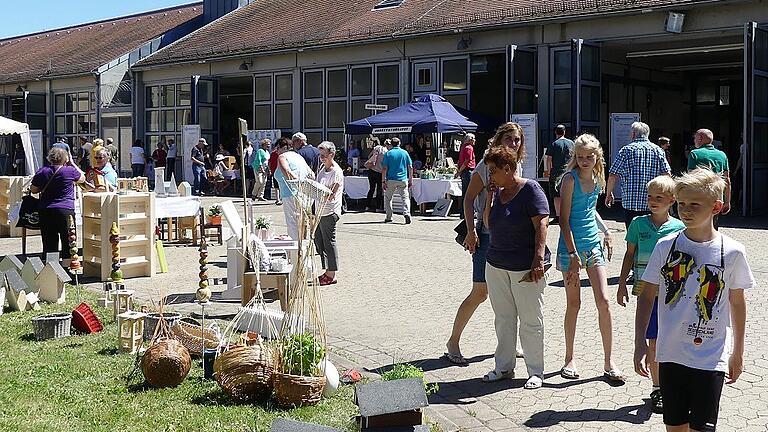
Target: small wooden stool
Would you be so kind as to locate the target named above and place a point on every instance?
(130, 331)
(123, 302)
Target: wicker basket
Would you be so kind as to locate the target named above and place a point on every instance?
(295, 390)
(152, 319)
(166, 363)
(52, 326)
(192, 336)
(245, 373)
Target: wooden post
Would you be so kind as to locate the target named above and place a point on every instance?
(249, 287)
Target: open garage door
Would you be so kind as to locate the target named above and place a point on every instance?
(755, 156)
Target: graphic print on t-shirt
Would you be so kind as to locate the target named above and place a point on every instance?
(675, 272)
(710, 288)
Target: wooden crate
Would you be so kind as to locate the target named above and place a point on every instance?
(135, 216)
(10, 194)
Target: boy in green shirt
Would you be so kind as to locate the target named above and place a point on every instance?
(642, 235)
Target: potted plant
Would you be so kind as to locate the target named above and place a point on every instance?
(214, 215)
(301, 379)
(263, 225)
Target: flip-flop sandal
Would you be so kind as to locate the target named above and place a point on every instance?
(533, 382)
(456, 359)
(614, 375)
(569, 373)
(350, 376)
(495, 375)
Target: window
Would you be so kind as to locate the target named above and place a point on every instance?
(284, 87)
(562, 108)
(169, 109)
(262, 89)
(361, 82)
(269, 90)
(169, 95)
(313, 85)
(563, 67)
(60, 103)
(337, 83)
(183, 95)
(153, 97)
(337, 113)
(424, 77)
(387, 4)
(74, 113)
(388, 80)
(313, 115)
(455, 75)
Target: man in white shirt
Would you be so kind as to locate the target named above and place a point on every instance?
(170, 159)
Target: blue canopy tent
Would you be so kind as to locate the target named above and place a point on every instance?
(429, 114)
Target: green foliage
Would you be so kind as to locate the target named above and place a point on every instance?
(214, 210)
(407, 370)
(262, 222)
(79, 384)
(301, 355)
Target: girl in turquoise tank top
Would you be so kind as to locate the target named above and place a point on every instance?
(580, 246)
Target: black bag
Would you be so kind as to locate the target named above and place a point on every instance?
(461, 232)
(29, 211)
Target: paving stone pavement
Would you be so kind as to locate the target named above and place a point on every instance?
(398, 291)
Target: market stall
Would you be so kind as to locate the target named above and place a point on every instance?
(423, 191)
(10, 127)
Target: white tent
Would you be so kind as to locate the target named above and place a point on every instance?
(10, 127)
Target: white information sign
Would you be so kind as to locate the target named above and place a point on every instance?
(36, 136)
(391, 130)
(528, 123)
(620, 136)
(190, 136)
(255, 136)
(376, 107)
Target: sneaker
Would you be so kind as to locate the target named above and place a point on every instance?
(407, 219)
(387, 220)
(657, 405)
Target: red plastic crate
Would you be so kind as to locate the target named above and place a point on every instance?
(85, 320)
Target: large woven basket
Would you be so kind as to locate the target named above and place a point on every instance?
(193, 337)
(245, 373)
(296, 390)
(52, 326)
(166, 363)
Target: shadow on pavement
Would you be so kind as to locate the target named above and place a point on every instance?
(431, 364)
(634, 414)
(584, 282)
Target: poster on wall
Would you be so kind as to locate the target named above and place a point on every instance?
(190, 136)
(255, 136)
(528, 122)
(36, 136)
(620, 136)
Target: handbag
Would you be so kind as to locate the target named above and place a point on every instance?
(29, 211)
(461, 232)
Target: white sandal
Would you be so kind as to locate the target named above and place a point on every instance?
(533, 382)
(495, 375)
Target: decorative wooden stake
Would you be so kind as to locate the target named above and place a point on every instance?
(114, 238)
(75, 268)
(203, 292)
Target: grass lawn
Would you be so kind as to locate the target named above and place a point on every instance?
(80, 383)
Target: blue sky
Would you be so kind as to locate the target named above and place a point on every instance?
(31, 16)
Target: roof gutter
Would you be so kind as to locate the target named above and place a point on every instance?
(534, 21)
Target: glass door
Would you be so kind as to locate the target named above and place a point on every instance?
(205, 109)
(755, 151)
(585, 85)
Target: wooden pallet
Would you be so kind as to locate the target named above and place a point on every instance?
(10, 194)
(135, 216)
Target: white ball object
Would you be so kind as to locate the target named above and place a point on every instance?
(331, 377)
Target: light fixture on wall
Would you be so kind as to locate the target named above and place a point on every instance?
(464, 43)
(674, 22)
(244, 66)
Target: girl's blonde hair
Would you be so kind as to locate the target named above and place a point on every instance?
(510, 127)
(588, 143)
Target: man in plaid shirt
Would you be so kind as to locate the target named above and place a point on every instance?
(636, 164)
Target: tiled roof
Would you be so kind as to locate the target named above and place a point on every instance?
(267, 25)
(81, 49)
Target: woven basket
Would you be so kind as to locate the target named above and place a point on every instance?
(52, 326)
(191, 336)
(295, 390)
(152, 319)
(245, 373)
(166, 363)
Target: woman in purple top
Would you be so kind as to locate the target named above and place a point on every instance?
(516, 215)
(55, 183)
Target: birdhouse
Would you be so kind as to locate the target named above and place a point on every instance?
(184, 189)
(50, 282)
(11, 262)
(17, 292)
(29, 273)
(288, 425)
(130, 331)
(52, 257)
(387, 404)
(123, 302)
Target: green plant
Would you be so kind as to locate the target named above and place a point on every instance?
(407, 370)
(262, 222)
(215, 210)
(301, 355)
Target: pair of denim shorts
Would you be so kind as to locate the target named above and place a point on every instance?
(591, 258)
(478, 258)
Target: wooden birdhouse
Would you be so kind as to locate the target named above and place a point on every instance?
(11, 262)
(50, 282)
(130, 331)
(388, 404)
(29, 273)
(17, 292)
(123, 302)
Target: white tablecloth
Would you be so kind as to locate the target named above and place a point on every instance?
(422, 191)
(176, 207)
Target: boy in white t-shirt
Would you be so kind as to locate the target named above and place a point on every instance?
(699, 276)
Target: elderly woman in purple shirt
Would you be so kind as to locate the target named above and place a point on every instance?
(516, 215)
(55, 184)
